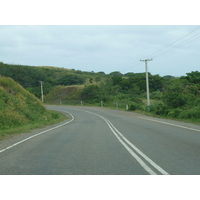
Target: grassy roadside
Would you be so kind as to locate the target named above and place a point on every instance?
(142, 111)
(51, 118)
(21, 111)
(151, 114)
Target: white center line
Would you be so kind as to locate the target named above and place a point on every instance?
(124, 141)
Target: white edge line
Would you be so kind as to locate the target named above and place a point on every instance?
(193, 129)
(38, 134)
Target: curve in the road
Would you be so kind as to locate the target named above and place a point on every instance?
(17, 143)
(125, 142)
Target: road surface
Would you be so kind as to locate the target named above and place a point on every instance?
(100, 141)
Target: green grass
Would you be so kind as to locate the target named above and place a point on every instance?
(6, 133)
(186, 120)
(21, 111)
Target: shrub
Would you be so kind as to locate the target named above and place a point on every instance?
(91, 94)
(55, 115)
(160, 109)
(174, 95)
(174, 112)
(156, 95)
(192, 113)
(134, 106)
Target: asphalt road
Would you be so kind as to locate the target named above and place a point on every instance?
(99, 141)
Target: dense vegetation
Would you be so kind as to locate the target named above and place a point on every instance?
(30, 77)
(170, 96)
(20, 108)
(180, 98)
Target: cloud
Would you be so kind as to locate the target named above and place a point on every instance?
(98, 48)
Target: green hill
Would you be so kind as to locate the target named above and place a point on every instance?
(20, 110)
(175, 97)
(65, 95)
(30, 77)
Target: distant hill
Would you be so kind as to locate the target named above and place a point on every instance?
(30, 77)
(61, 84)
(168, 77)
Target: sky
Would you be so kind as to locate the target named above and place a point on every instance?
(104, 48)
(104, 35)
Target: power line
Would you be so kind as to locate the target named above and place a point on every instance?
(127, 66)
(132, 66)
(167, 49)
(173, 42)
(179, 45)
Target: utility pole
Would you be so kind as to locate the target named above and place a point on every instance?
(147, 79)
(42, 91)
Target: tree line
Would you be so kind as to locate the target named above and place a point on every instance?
(30, 77)
(177, 97)
(171, 97)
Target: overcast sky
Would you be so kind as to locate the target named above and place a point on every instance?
(104, 48)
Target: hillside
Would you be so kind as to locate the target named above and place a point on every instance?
(65, 95)
(175, 97)
(30, 77)
(20, 108)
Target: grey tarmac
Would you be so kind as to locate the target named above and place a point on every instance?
(101, 141)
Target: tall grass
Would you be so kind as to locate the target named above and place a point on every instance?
(20, 108)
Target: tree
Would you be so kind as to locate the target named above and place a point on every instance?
(71, 79)
(116, 80)
(97, 79)
(91, 80)
(91, 94)
(125, 84)
(116, 73)
(174, 95)
(193, 77)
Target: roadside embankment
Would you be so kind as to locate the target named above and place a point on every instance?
(21, 111)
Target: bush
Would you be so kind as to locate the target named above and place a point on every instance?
(174, 95)
(193, 113)
(134, 106)
(174, 112)
(71, 79)
(156, 95)
(159, 109)
(55, 115)
(91, 94)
